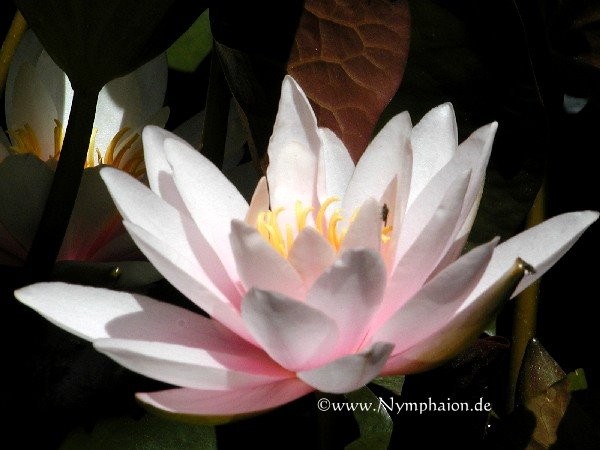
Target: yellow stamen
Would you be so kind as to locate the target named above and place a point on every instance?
(268, 226)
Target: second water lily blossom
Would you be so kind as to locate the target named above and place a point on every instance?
(332, 275)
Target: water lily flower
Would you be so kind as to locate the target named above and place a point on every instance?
(37, 102)
(332, 275)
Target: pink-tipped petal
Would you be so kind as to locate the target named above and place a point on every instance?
(461, 330)
(310, 255)
(187, 366)
(350, 292)
(434, 141)
(350, 372)
(387, 156)
(293, 333)
(187, 278)
(252, 399)
(437, 302)
(259, 265)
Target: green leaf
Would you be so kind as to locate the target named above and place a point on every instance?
(375, 425)
(577, 380)
(187, 52)
(148, 433)
(393, 383)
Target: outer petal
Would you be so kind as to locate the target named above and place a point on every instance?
(57, 85)
(158, 169)
(541, 247)
(188, 366)
(28, 51)
(259, 265)
(184, 275)
(387, 156)
(210, 198)
(293, 333)
(350, 292)
(418, 261)
(226, 403)
(173, 233)
(293, 150)
(350, 372)
(310, 255)
(437, 302)
(434, 140)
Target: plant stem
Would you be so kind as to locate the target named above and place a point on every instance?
(65, 185)
(525, 312)
(9, 46)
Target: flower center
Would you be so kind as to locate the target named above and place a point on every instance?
(123, 152)
(282, 238)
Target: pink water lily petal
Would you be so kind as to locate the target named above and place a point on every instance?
(260, 265)
(540, 246)
(210, 198)
(294, 334)
(226, 403)
(437, 302)
(420, 259)
(350, 292)
(94, 313)
(185, 276)
(478, 144)
(365, 230)
(387, 156)
(310, 255)
(293, 150)
(171, 232)
(259, 202)
(186, 366)
(335, 166)
(350, 372)
(158, 169)
(434, 141)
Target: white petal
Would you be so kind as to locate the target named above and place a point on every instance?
(350, 372)
(210, 198)
(293, 150)
(57, 85)
(171, 232)
(387, 156)
(335, 166)
(434, 141)
(184, 365)
(259, 202)
(259, 265)
(293, 333)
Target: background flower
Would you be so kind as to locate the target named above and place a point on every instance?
(38, 101)
(302, 296)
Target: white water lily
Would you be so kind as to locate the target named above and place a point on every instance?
(332, 275)
(37, 102)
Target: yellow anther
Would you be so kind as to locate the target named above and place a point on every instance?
(301, 215)
(321, 213)
(58, 138)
